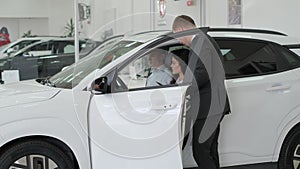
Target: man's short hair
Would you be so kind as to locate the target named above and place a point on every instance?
(183, 21)
(159, 54)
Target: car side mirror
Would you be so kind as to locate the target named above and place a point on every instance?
(26, 54)
(9, 51)
(64, 68)
(100, 86)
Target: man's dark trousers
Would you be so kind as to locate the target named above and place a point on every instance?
(205, 154)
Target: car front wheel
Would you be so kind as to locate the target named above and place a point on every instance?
(34, 154)
(290, 152)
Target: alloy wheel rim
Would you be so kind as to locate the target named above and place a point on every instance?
(296, 157)
(34, 162)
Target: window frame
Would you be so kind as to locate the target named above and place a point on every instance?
(276, 53)
(161, 43)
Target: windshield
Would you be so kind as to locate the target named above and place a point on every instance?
(71, 76)
(95, 46)
(89, 46)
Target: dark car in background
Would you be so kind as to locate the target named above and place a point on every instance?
(47, 57)
(9, 49)
(42, 59)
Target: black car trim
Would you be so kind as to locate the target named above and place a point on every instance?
(292, 46)
(228, 77)
(246, 30)
(266, 165)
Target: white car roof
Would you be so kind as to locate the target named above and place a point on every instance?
(145, 36)
(41, 41)
(37, 38)
(24, 39)
(255, 34)
(276, 37)
(28, 38)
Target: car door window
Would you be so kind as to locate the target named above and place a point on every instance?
(63, 47)
(44, 48)
(251, 58)
(21, 45)
(69, 48)
(151, 69)
(292, 59)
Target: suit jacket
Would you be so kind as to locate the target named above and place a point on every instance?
(208, 93)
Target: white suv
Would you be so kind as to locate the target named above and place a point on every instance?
(62, 122)
(262, 71)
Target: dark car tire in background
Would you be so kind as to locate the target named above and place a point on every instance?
(38, 152)
(289, 157)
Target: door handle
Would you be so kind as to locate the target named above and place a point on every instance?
(278, 87)
(164, 107)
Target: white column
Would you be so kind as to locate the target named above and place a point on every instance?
(76, 38)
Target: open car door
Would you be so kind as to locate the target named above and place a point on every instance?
(136, 126)
(137, 129)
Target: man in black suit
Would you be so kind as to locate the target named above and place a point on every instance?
(207, 92)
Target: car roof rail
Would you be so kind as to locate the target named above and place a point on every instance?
(246, 30)
(113, 37)
(292, 46)
(139, 33)
(46, 36)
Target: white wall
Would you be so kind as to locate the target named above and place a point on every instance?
(175, 8)
(60, 13)
(141, 19)
(274, 14)
(100, 14)
(51, 16)
(42, 17)
(216, 13)
(18, 26)
(21, 16)
(24, 8)
(125, 16)
(121, 16)
(266, 14)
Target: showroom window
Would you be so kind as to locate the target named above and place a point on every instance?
(244, 58)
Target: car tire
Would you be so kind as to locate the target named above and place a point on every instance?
(38, 152)
(289, 157)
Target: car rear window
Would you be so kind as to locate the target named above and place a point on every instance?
(253, 57)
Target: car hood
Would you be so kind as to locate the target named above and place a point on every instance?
(25, 92)
(2, 55)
